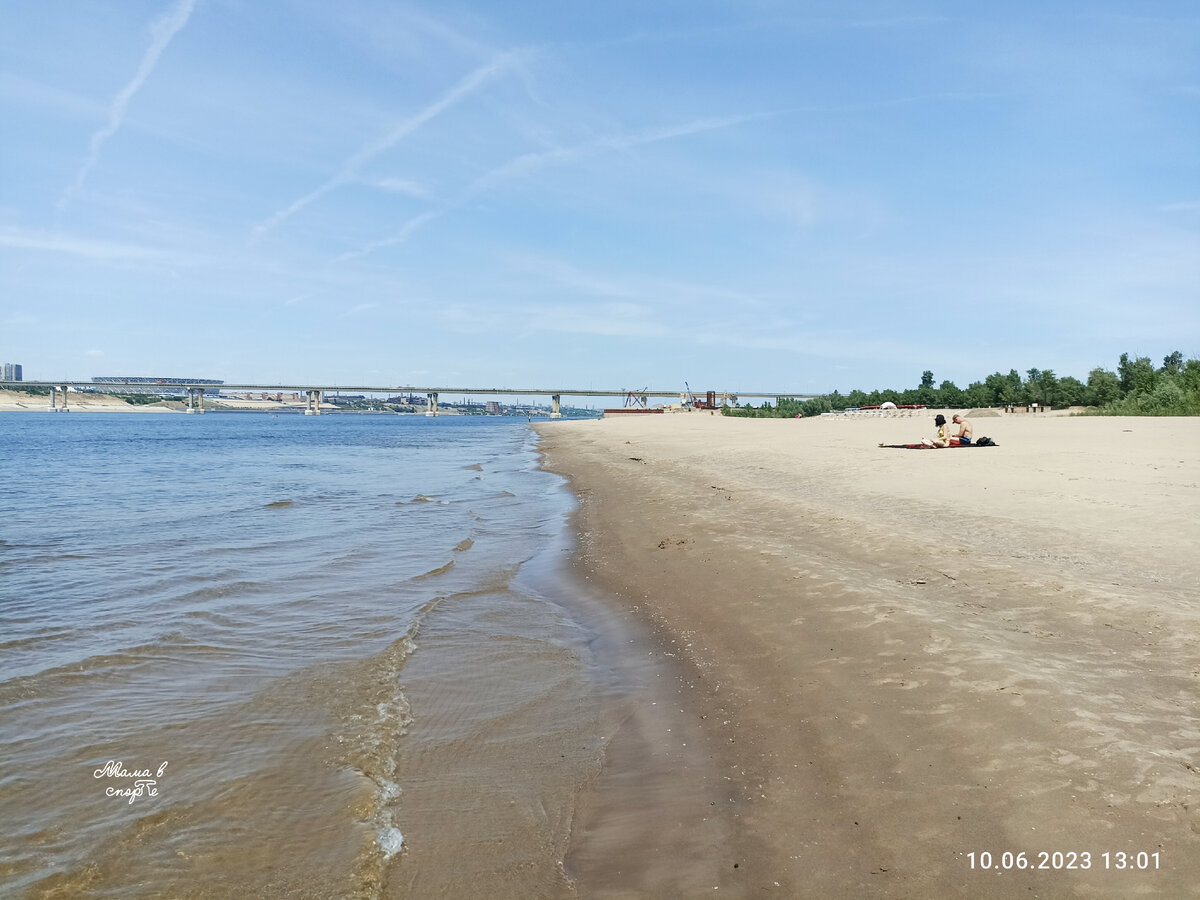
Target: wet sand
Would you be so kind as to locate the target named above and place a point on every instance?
(898, 661)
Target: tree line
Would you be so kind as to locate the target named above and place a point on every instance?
(1136, 388)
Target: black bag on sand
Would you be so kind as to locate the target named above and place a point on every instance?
(986, 442)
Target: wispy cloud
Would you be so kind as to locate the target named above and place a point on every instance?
(349, 168)
(401, 186)
(807, 24)
(74, 246)
(411, 227)
(528, 163)
(666, 292)
(531, 162)
(161, 33)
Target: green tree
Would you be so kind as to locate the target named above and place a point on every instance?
(1162, 400)
(977, 395)
(1048, 389)
(1137, 388)
(1136, 375)
(1189, 376)
(998, 391)
(1016, 387)
(950, 395)
(1071, 392)
(1037, 384)
(1103, 387)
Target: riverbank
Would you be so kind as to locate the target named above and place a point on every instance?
(902, 660)
(15, 401)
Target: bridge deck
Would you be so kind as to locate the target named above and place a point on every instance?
(399, 389)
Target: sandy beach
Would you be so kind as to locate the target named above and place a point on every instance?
(937, 673)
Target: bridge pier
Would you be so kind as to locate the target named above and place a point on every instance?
(556, 406)
(431, 407)
(195, 400)
(314, 403)
(54, 391)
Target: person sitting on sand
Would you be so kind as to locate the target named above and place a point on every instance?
(964, 431)
(943, 433)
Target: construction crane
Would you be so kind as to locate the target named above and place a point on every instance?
(636, 399)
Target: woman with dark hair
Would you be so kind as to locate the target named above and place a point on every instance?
(943, 433)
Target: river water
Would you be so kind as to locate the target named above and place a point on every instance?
(289, 656)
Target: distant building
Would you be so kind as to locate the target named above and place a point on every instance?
(493, 408)
(10, 372)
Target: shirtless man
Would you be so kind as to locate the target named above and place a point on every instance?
(964, 431)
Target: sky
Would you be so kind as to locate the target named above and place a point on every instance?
(757, 195)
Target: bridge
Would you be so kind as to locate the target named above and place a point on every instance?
(315, 392)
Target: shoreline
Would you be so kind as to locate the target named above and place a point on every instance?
(15, 401)
(903, 659)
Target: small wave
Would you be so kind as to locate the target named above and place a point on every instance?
(368, 739)
(474, 467)
(280, 504)
(200, 597)
(463, 545)
(438, 571)
(421, 498)
(49, 559)
(167, 648)
(391, 841)
(45, 637)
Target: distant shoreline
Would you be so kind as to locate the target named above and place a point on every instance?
(15, 401)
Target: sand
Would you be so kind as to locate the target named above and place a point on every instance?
(900, 660)
(14, 401)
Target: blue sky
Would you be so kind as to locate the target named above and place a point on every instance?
(749, 195)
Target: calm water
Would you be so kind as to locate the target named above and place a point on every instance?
(324, 649)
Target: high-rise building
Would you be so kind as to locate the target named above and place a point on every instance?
(10, 372)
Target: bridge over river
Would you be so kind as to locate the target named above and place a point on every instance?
(195, 392)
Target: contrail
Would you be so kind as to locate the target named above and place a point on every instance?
(389, 140)
(161, 33)
(528, 163)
